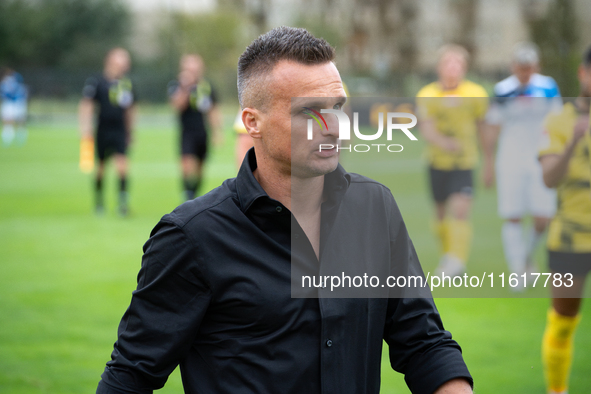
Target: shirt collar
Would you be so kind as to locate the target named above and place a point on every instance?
(249, 189)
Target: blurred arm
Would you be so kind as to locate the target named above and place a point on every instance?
(215, 120)
(85, 115)
(434, 137)
(180, 98)
(130, 117)
(555, 167)
(489, 135)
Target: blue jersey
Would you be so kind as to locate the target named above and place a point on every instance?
(538, 86)
(520, 111)
(12, 88)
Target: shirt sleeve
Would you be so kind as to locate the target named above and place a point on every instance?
(214, 96)
(166, 310)
(134, 95)
(552, 141)
(90, 89)
(172, 87)
(419, 346)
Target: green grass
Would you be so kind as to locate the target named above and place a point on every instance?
(66, 276)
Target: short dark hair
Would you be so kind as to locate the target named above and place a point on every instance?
(281, 43)
(587, 57)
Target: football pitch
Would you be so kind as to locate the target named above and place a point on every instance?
(66, 275)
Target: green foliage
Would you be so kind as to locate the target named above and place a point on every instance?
(557, 36)
(216, 36)
(67, 33)
(319, 28)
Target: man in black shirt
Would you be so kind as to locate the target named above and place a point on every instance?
(115, 96)
(214, 290)
(194, 98)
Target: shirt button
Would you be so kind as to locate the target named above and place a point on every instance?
(329, 343)
(279, 209)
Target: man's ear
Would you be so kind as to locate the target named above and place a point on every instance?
(251, 119)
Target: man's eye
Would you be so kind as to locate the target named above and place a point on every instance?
(337, 106)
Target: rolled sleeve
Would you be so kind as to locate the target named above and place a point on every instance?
(165, 313)
(420, 348)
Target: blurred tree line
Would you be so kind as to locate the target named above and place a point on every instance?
(219, 37)
(60, 33)
(556, 33)
(57, 44)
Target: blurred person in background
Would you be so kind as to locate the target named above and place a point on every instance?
(451, 114)
(194, 99)
(564, 156)
(516, 120)
(114, 94)
(14, 107)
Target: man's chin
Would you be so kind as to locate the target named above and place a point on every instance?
(315, 167)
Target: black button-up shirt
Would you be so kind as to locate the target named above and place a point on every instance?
(214, 296)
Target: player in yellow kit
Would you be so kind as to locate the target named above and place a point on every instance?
(565, 162)
(451, 117)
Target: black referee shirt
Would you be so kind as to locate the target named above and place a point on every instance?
(214, 296)
(113, 99)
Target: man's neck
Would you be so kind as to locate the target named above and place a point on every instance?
(302, 196)
(110, 76)
(306, 196)
(449, 85)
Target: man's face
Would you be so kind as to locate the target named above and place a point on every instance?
(283, 124)
(451, 69)
(118, 62)
(523, 72)
(192, 65)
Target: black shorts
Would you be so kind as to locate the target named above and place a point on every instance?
(578, 264)
(194, 144)
(110, 142)
(445, 183)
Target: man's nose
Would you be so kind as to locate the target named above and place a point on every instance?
(334, 122)
(332, 125)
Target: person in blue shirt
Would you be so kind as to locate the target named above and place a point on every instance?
(516, 118)
(14, 95)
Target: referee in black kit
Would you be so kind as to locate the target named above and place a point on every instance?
(214, 291)
(115, 96)
(194, 98)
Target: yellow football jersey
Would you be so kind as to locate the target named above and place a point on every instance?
(455, 113)
(570, 229)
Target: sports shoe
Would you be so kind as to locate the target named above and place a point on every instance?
(450, 266)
